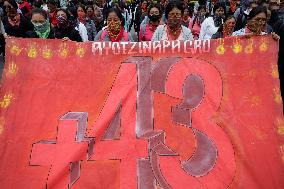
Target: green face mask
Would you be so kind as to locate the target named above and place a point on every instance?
(41, 27)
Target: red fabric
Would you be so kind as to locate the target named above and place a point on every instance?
(27, 6)
(148, 34)
(146, 115)
(53, 19)
(118, 37)
(195, 29)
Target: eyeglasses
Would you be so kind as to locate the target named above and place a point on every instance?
(263, 20)
(175, 14)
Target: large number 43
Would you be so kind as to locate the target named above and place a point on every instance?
(175, 99)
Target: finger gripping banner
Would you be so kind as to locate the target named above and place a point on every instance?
(167, 114)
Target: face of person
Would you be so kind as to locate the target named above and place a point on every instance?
(38, 19)
(253, 5)
(62, 14)
(220, 11)
(274, 5)
(186, 13)
(257, 23)
(90, 12)
(113, 22)
(174, 18)
(230, 24)
(175, 13)
(154, 11)
(9, 8)
(80, 9)
(202, 12)
(144, 4)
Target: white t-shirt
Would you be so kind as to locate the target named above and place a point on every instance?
(208, 28)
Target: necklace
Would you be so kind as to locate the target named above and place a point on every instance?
(173, 34)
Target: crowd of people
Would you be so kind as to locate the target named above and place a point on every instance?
(127, 20)
(145, 20)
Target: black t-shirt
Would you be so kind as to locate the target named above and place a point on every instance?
(69, 32)
(17, 31)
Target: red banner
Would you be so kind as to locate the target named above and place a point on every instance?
(181, 114)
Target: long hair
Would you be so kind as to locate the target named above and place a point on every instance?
(221, 28)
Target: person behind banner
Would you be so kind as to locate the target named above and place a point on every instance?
(52, 6)
(212, 23)
(147, 29)
(173, 30)
(42, 28)
(25, 7)
(256, 21)
(187, 14)
(89, 24)
(226, 29)
(196, 21)
(63, 29)
(114, 31)
(15, 23)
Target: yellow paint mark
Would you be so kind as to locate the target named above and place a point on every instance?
(237, 47)
(6, 101)
(63, 51)
(277, 95)
(46, 53)
(12, 70)
(221, 48)
(80, 52)
(279, 123)
(280, 130)
(249, 47)
(274, 71)
(2, 123)
(32, 53)
(263, 46)
(15, 50)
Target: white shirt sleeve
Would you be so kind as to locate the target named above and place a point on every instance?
(203, 29)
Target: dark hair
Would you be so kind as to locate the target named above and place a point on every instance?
(155, 5)
(82, 6)
(63, 10)
(37, 3)
(219, 5)
(220, 29)
(255, 11)
(40, 11)
(53, 2)
(171, 5)
(90, 6)
(13, 3)
(198, 9)
(201, 7)
(118, 13)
